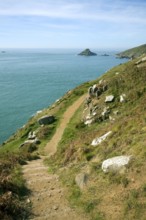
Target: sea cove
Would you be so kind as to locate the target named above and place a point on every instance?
(31, 80)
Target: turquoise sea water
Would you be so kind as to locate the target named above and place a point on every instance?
(31, 80)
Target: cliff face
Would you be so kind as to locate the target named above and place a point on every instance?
(133, 52)
(87, 52)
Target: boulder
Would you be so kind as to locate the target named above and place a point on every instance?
(98, 140)
(34, 141)
(81, 180)
(47, 119)
(109, 98)
(115, 164)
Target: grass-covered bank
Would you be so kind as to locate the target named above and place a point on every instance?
(112, 195)
(102, 195)
(13, 192)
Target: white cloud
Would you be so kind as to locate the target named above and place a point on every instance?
(108, 11)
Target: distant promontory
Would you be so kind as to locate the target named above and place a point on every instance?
(87, 52)
(133, 52)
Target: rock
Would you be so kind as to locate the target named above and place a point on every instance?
(47, 119)
(117, 73)
(87, 52)
(89, 121)
(31, 136)
(122, 98)
(81, 180)
(34, 141)
(115, 164)
(109, 98)
(105, 112)
(55, 207)
(116, 112)
(28, 201)
(97, 141)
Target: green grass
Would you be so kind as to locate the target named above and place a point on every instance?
(128, 138)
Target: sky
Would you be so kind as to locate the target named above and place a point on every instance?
(102, 24)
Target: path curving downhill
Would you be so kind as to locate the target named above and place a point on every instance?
(51, 147)
(47, 194)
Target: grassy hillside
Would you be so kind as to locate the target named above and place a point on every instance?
(116, 195)
(134, 52)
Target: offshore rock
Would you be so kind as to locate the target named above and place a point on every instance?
(87, 52)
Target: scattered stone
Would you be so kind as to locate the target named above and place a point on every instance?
(122, 98)
(116, 112)
(55, 207)
(89, 121)
(116, 163)
(28, 201)
(47, 119)
(105, 112)
(109, 98)
(31, 136)
(111, 118)
(97, 141)
(81, 180)
(35, 141)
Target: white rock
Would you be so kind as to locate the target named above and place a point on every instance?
(115, 163)
(117, 73)
(97, 141)
(122, 98)
(100, 82)
(109, 98)
(89, 122)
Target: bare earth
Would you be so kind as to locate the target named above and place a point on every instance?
(47, 194)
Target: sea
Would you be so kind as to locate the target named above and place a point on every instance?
(32, 79)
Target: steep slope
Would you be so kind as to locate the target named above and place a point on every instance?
(114, 108)
(133, 52)
(117, 193)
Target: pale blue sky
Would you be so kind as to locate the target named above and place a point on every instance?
(72, 23)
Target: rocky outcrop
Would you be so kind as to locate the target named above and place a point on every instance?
(98, 140)
(87, 52)
(47, 119)
(115, 164)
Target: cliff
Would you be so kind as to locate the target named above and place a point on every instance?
(133, 52)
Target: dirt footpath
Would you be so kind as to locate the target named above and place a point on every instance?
(47, 194)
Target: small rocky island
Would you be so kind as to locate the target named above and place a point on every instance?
(87, 52)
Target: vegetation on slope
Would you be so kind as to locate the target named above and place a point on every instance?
(14, 202)
(113, 195)
(108, 195)
(133, 53)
